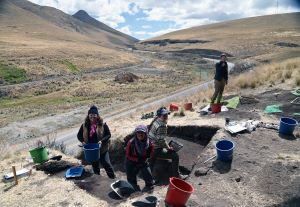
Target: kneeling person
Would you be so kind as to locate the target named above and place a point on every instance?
(138, 150)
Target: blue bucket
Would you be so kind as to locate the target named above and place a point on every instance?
(287, 125)
(91, 152)
(225, 150)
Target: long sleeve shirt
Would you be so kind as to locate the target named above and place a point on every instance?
(158, 134)
(221, 71)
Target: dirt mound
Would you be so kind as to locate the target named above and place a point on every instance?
(126, 77)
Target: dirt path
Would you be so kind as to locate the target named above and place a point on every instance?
(28, 132)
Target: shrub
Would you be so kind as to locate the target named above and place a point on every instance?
(297, 81)
(288, 74)
(52, 144)
(12, 74)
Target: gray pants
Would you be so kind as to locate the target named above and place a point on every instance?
(219, 88)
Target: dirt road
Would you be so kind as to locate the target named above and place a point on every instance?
(68, 136)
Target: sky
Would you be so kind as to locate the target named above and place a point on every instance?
(144, 19)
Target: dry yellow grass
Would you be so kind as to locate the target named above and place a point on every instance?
(243, 38)
(41, 189)
(275, 73)
(42, 47)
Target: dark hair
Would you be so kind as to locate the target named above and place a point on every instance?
(87, 121)
(158, 112)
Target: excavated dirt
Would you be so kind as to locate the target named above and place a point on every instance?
(250, 107)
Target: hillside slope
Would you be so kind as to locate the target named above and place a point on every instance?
(44, 41)
(250, 37)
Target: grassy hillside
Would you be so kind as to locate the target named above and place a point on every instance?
(263, 37)
(39, 40)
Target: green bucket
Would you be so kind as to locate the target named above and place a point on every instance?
(39, 155)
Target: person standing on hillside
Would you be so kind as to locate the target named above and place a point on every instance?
(95, 131)
(221, 79)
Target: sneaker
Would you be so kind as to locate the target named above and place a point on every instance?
(148, 188)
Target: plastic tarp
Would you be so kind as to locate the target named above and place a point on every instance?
(233, 102)
(296, 92)
(272, 109)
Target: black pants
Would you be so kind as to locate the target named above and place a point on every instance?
(132, 170)
(166, 154)
(105, 162)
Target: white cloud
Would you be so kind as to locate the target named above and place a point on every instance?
(184, 13)
(106, 11)
(125, 30)
(154, 34)
(146, 27)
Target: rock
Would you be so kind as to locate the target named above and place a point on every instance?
(238, 179)
(201, 171)
(126, 77)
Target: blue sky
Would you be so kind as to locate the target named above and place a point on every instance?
(144, 19)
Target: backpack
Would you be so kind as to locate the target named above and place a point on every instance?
(80, 134)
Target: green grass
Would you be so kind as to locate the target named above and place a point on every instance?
(38, 101)
(12, 74)
(70, 66)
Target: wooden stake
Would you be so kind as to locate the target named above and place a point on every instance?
(15, 174)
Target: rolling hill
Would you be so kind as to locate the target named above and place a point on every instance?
(45, 41)
(261, 37)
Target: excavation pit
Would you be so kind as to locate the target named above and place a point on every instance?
(194, 139)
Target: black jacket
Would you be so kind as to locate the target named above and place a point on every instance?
(221, 71)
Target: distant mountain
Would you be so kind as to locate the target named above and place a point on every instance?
(85, 17)
(45, 41)
(80, 23)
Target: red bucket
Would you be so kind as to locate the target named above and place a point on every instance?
(216, 108)
(174, 107)
(188, 106)
(179, 192)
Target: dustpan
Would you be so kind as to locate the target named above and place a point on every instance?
(75, 172)
(122, 188)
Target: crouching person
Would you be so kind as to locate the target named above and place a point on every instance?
(138, 150)
(95, 131)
